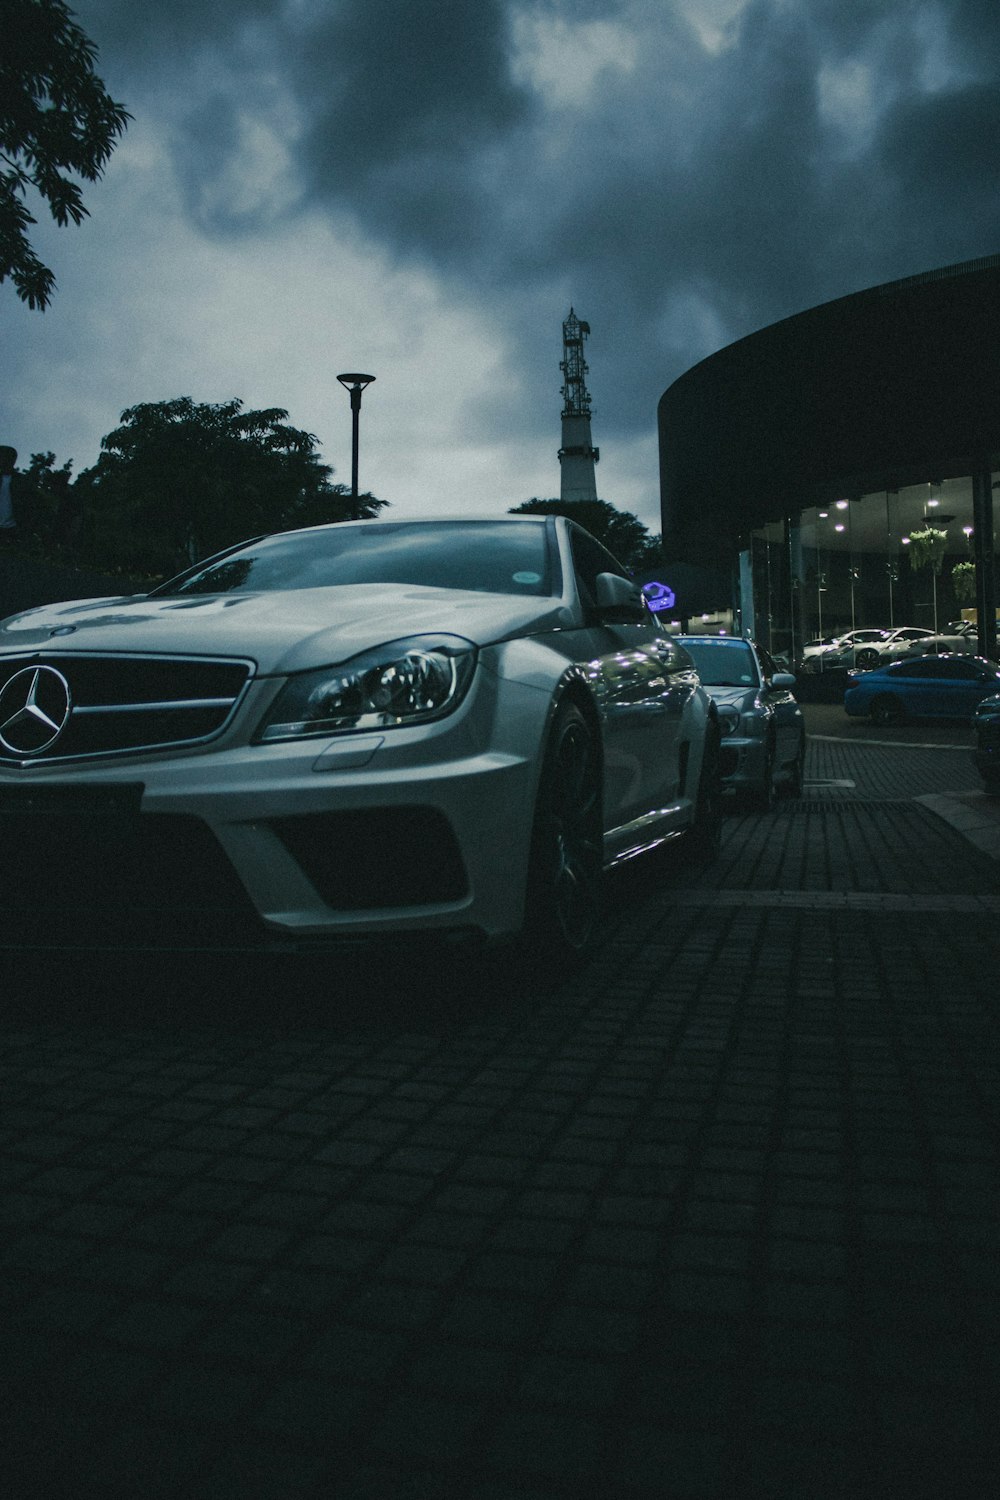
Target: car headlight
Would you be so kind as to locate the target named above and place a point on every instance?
(729, 720)
(404, 682)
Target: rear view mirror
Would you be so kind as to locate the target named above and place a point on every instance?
(619, 598)
(783, 680)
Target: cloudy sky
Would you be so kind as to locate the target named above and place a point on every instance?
(422, 188)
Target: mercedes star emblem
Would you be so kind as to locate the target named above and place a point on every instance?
(34, 710)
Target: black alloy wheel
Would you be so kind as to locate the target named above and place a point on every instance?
(886, 710)
(866, 659)
(796, 773)
(563, 890)
(761, 796)
(706, 830)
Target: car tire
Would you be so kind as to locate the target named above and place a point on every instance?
(866, 660)
(886, 710)
(564, 877)
(796, 773)
(761, 797)
(705, 839)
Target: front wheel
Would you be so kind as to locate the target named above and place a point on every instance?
(866, 660)
(797, 772)
(761, 796)
(706, 830)
(564, 877)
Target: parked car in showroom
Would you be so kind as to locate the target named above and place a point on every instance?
(904, 641)
(839, 650)
(434, 725)
(763, 729)
(924, 687)
(986, 728)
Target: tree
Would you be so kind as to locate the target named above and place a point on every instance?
(620, 531)
(180, 480)
(56, 118)
(43, 500)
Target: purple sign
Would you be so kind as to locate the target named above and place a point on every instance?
(659, 596)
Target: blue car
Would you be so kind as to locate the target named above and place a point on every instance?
(922, 687)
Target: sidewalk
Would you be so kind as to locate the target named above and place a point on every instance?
(713, 1219)
(971, 810)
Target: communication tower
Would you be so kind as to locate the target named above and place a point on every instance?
(577, 456)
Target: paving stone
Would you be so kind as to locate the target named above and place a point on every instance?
(558, 1446)
(454, 1368)
(715, 1217)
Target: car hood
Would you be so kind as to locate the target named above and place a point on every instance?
(282, 632)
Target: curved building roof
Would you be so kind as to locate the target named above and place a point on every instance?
(887, 387)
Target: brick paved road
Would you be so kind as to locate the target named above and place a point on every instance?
(717, 1218)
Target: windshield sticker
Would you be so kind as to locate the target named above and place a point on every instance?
(527, 577)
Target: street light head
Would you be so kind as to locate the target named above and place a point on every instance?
(355, 385)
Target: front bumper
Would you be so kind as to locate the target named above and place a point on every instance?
(742, 761)
(277, 845)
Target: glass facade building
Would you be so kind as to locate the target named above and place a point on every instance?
(837, 469)
(887, 558)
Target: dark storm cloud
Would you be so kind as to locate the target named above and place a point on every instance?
(715, 174)
(143, 43)
(386, 80)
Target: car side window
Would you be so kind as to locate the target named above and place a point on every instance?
(914, 669)
(589, 559)
(965, 670)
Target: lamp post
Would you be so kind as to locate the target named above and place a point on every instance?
(355, 385)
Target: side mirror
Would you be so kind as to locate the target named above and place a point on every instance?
(619, 599)
(783, 680)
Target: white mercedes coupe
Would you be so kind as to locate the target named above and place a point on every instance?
(442, 724)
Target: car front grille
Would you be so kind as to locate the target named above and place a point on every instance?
(117, 704)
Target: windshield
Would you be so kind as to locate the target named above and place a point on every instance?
(487, 557)
(723, 662)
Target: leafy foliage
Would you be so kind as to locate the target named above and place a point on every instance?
(180, 480)
(963, 578)
(56, 118)
(620, 531)
(927, 547)
(42, 499)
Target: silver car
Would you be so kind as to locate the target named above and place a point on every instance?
(904, 640)
(839, 650)
(763, 729)
(431, 725)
